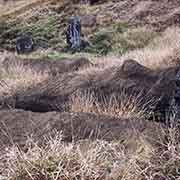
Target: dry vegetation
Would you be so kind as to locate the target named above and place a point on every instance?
(161, 52)
(127, 108)
(95, 160)
(98, 159)
(17, 77)
(129, 159)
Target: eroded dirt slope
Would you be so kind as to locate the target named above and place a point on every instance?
(17, 126)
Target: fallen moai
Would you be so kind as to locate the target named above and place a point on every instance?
(135, 79)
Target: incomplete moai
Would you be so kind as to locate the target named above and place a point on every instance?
(24, 44)
(73, 34)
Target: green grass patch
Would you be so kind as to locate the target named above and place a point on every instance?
(57, 56)
(45, 32)
(119, 39)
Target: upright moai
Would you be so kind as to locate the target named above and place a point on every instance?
(73, 33)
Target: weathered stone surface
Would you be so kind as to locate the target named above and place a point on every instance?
(73, 34)
(24, 44)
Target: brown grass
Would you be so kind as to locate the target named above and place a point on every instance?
(130, 106)
(17, 77)
(162, 52)
(95, 160)
(13, 8)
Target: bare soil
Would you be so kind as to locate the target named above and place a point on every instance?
(17, 126)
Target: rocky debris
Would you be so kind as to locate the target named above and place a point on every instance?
(133, 78)
(16, 126)
(24, 44)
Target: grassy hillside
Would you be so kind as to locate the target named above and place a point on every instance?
(108, 112)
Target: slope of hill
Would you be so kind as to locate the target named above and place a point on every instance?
(109, 112)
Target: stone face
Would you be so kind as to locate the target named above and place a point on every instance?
(24, 44)
(73, 34)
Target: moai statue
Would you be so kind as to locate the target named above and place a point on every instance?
(73, 34)
(24, 44)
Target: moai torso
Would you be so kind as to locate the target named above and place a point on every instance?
(73, 34)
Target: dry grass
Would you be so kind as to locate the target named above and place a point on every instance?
(84, 160)
(98, 160)
(14, 8)
(87, 160)
(162, 52)
(95, 160)
(129, 106)
(17, 77)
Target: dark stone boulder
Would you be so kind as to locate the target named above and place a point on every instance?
(24, 44)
